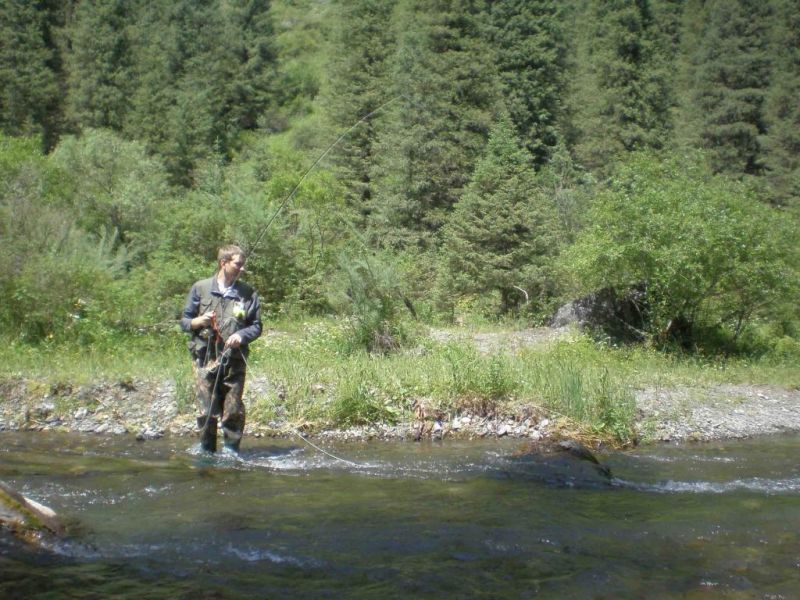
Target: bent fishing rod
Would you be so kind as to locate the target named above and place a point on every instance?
(272, 218)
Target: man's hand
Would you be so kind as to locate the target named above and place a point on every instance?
(203, 320)
(234, 341)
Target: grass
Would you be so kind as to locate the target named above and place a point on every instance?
(318, 382)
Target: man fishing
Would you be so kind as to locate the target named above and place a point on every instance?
(223, 316)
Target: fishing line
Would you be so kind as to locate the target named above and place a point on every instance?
(311, 168)
(313, 445)
(309, 442)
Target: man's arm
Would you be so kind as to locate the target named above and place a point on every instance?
(190, 310)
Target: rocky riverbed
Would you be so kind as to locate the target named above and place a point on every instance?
(148, 410)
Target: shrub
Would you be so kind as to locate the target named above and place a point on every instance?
(704, 249)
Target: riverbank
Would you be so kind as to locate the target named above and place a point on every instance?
(531, 384)
(149, 410)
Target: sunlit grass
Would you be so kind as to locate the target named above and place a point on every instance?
(318, 381)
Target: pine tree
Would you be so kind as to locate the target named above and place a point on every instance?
(731, 84)
(203, 76)
(531, 57)
(782, 109)
(99, 64)
(247, 43)
(503, 232)
(623, 95)
(443, 71)
(356, 87)
(29, 71)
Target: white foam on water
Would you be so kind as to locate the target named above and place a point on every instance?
(753, 484)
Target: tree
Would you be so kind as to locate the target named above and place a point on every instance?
(503, 232)
(29, 65)
(731, 83)
(99, 65)
(356, 87)
(116, 185)
(622, 97)
(203, 76)
(781, 141)
(531, 58)
(44, 253)
(703, 249)
(443, 73)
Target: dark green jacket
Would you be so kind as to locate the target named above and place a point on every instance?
(238, 311)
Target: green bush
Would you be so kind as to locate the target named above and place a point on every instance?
(705, 250)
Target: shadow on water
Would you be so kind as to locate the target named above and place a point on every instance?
(390, 520)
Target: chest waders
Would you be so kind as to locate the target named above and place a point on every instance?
(220, 372)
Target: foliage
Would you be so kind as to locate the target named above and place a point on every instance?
(782, 112)
(99, 64)
(704, 249)
(366, 290)
(623, 96)
(355, 87)
(234, 100)
(503, 232)
(29, 78)
(116, 185)
(42, 251)
(732, 81)
(531, 47)
(442, 72)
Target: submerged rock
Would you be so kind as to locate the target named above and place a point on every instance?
(26, 519)
(564, 463)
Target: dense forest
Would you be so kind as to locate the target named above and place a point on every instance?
(378, 158)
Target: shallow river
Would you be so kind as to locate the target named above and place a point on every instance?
(399, 520)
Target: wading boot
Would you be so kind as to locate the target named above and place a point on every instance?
(208, 433)
(232, 439)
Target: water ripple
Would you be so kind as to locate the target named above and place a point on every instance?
(754, 484)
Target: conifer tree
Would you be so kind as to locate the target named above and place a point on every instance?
(782, 108)
(356, 87)
(531, 57)
(443, 71)
(29, 71)
(503, 232)
(624, 91)
(99, 64)
(731, 83)
(202, 77)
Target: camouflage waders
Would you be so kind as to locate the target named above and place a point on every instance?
(219, 401)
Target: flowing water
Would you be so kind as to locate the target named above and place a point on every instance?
(446, 520)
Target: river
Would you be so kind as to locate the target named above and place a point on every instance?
(448, 520)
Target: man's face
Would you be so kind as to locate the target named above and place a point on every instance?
(231, 268)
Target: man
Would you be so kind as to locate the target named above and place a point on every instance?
(223, 316)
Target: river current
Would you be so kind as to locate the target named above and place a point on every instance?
(158, 519)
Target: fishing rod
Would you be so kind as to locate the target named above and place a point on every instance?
(264, 229)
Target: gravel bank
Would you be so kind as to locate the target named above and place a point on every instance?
(150, 410)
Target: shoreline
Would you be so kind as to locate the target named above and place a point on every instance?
(150, 410)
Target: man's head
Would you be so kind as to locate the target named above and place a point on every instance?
(231, 261)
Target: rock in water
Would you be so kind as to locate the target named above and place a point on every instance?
(580, 451)
(26, 519)
(564, 463)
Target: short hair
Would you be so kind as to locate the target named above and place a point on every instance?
(226, 253)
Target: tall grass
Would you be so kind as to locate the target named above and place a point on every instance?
(317, 380)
